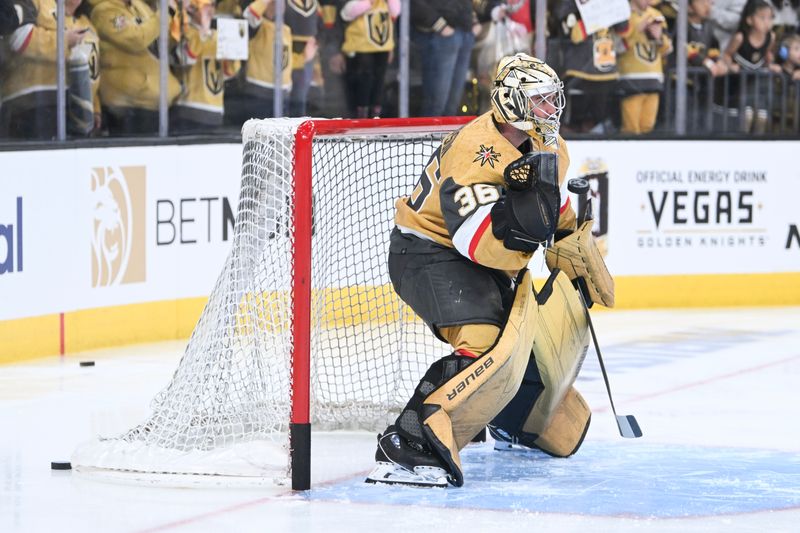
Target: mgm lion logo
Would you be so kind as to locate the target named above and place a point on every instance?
(118, 247)
(379, 29)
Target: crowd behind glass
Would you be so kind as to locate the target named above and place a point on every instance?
(340, 58)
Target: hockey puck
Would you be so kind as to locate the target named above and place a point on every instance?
(87, 363)
(60, 465)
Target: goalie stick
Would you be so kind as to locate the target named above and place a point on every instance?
(627, 424)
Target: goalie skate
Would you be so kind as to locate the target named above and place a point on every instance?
(422, 476)
(400, 462)
(503, 441)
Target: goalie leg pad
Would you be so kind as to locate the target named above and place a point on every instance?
(577, 255)
(562, 340)
(452, 414)
(568, 426)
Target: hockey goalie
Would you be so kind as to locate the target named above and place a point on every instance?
(491, 195)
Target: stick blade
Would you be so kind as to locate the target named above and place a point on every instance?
(628, 427)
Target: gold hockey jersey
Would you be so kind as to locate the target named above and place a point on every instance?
(373, 31)
(203, 75)
(303, 17)
(130, 69)
(259, 69)
(641, 67)
(31, 66)
(453, 199)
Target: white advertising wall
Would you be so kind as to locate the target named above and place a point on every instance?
(694, 207)
(89, 228)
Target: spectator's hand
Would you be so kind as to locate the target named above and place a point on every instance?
(337, 64)
(311, 49)
(74, 36)
(733, 68)
(498, 13)
(717, 68)
(643, 24)
(98, 123)
(447, 31)
(796, 75)
(655, 31)
(773, 67)
(476, 29)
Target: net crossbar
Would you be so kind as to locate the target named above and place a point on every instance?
(228, 406)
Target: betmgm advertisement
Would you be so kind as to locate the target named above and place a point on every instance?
(97, 228)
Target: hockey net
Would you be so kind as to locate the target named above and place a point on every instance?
(228, 408)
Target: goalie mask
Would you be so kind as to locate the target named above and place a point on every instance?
(528, 95)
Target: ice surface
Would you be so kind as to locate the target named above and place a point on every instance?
(715, 392)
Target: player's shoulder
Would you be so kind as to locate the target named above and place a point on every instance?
(477, 148)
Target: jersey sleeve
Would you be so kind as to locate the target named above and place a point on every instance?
(122, 29)
(34, 42)
(467, 212)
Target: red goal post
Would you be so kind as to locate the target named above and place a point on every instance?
(300, 429)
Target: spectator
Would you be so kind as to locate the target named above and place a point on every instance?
(499, 36)
(750, 51)
(129, 88)
(303, 18)
(203, 76)
(641, 70)
(252, 93)
(790, 57)
(701, 45)
(590, 64)
(786, 91)
(443, 32)
(29, 85)
(368, 44)
(332, 100)
(725, 17)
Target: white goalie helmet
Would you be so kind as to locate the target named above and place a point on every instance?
(528, 94)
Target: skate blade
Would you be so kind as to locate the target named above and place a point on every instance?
(392, 474)
(503, 446)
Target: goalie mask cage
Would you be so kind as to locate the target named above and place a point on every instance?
(302, 325)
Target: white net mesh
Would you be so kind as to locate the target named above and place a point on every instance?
(226, 410)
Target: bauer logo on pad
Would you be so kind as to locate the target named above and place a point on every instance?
(118, 225)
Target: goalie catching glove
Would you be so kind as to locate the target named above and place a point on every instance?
(528, 215)
(577, 256)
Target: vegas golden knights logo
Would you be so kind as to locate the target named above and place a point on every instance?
(379, 29)
(285, 56)
(304, 7)
(212, 74)
(648, 52)
(94, 64)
